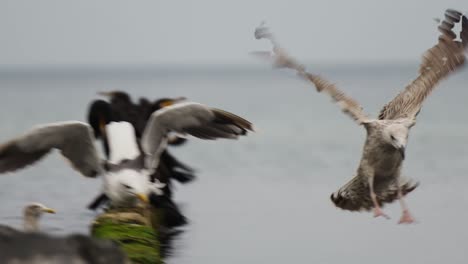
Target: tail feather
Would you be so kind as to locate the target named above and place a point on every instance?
(354, 196)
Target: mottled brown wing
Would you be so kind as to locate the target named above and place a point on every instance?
(348, 105)
(282, 59)
(447, 56)
(278, 57)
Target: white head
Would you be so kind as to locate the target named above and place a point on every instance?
(396, 134)
(126, 187)
(31, 213)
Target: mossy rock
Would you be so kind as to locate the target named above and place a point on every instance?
(134, 230)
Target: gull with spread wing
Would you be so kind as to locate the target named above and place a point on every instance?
(378, 178)
(127, 173)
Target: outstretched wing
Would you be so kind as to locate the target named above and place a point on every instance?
(73, 139)
(278, 56)
(348, 105)
(355, 195)
(438, 63)
(189, 118)
(282, 59)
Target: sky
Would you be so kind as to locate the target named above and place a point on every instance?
(117, 32)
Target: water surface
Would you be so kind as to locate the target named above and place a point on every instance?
(264, 198)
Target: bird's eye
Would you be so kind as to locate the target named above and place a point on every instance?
(392, 137)
(126, 186)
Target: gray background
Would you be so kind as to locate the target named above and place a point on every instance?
(213, 31)
(264, 198)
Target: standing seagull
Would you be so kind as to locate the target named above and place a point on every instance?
(128, 179)
(121, 108)
(378, 180)
(31, 215)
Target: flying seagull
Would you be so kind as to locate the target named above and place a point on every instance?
(378, 178)
(126, 180)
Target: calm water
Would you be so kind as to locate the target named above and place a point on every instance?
(265, 198)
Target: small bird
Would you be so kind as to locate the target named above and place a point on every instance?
(378, 178)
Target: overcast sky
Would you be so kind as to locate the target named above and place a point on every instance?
(214, 31)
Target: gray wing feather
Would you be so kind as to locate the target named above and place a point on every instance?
(447, 56)
(73, 139)
(193, 119)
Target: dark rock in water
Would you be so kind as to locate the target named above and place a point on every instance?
(17, 247)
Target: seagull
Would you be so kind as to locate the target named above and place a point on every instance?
(31, 246)
(126, 175)
(121, 108)
(31, 214)
(378, 178)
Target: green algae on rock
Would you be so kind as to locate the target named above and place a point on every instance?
(134, 230)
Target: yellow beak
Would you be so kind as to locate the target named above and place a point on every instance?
(172, 101)
(49, 210)
(142, 197)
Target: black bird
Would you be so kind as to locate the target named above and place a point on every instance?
(121, 108)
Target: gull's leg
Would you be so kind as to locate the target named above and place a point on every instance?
(377, 210)
(406, 217)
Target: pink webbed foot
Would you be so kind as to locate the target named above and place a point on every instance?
(378, 212)
(406, 218)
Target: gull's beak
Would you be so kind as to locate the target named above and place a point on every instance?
(402, 152)
(172, 101)
(48, 210)
(142, 197)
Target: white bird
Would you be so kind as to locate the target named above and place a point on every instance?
(126, 174)
(378, 179)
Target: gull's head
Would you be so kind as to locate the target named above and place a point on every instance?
(32, 213)
(127, 187)
(37, 209)
(396, 135)
(132, 192)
